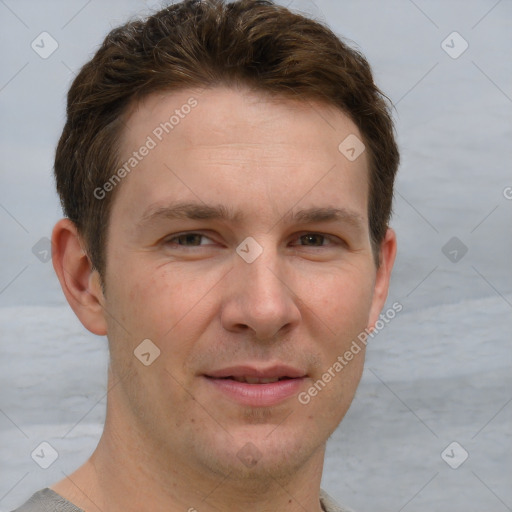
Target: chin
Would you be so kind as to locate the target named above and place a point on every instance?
(259, 452)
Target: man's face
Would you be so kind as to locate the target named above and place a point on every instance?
(238, 165)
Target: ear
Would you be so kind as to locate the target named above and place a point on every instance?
(387, 253)
(80, 283)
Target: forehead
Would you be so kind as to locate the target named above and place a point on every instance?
(243, 147)
(223, 110)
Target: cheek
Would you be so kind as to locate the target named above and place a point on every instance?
(142, 288)
(165, 304)
(342, 301)
(152, 305)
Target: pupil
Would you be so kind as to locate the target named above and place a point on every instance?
(191, 239)
(313, 239)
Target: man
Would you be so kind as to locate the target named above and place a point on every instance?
(226, 171)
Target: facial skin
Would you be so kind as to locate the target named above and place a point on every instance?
(172, 435)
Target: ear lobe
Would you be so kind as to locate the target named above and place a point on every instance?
(387, 253)
(79, 281)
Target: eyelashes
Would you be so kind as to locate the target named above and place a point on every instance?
(193, 239)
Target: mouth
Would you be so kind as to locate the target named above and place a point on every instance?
(253, 375)
(257, 387)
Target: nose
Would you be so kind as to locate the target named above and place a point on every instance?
(259, 298)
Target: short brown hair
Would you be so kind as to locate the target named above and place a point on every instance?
(206, 43)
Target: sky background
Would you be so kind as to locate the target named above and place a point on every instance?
(438, 373)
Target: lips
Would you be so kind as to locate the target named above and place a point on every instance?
(257, 387)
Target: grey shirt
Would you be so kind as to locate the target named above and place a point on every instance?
(47, 500)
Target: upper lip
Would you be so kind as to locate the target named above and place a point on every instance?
(271, 372)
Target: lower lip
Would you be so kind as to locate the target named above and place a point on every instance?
(258, 395)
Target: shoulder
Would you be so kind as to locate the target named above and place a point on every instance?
(47, 500)
(329, 505)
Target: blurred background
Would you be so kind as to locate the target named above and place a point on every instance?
(430, 428)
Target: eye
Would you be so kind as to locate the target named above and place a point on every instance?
(313, 240)
(189, 240)
(318, 240)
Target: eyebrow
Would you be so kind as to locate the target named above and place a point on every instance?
(202, 211)
(195, 211)
(313, 215)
